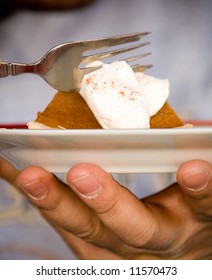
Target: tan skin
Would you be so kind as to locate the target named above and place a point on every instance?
(100, 219)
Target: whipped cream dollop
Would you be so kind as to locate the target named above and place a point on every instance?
(121, 98)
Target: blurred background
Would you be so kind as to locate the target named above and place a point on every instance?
(181, 39)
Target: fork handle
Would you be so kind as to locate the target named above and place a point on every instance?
(14, 69)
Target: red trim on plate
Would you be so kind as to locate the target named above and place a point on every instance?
(14, 125)
(24, 126)
(199, 122)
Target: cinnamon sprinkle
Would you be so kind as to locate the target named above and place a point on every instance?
(88, 80)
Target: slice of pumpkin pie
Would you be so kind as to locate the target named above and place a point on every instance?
(112, 97)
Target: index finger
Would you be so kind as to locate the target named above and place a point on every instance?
(135, 223)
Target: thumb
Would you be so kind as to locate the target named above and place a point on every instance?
(195, 179)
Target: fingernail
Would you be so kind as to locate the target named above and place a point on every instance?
(36, 189)
(196, 180)
(87, 185)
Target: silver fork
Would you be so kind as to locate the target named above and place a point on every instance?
(64, 66)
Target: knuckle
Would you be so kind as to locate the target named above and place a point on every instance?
(145, 237)
(90, 230)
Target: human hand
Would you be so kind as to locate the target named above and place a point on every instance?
(99, 219)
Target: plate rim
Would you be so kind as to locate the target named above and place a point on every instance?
(106, 132)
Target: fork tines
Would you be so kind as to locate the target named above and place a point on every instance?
(115, 40)
(116, 46)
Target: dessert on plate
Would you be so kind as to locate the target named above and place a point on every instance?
(112, 97)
